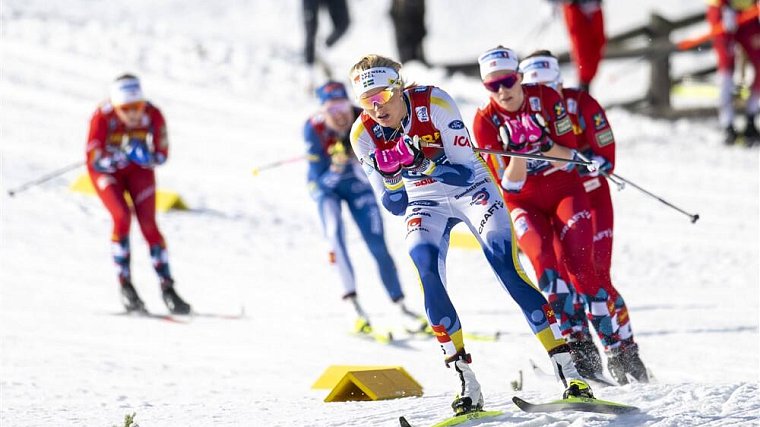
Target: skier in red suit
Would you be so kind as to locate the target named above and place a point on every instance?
(126, 140)
(585, 26)
(724, 18)
(548, 199)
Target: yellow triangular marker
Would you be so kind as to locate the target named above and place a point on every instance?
(334, 373)
(375, 384)
(165, 200)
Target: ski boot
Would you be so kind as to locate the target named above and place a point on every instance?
(730, 135)
(130, 299)
(751, 134)
(567, 373)
(578, 388)
(174, 303)
(470, 399)
(624, 360)
(362, 326)
(586, 356)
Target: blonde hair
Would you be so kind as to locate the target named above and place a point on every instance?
(373, 61)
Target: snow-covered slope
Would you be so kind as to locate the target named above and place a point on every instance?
(226, 75)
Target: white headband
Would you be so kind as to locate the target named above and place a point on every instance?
(125, 91)
(497, 59)
(541, 69)
(365, 81)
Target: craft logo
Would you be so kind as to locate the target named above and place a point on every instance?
(422, 114)
(584, 214)
(480, 197)
(495, 207)
(378, 131)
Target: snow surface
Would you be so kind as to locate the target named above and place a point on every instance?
(226, 75)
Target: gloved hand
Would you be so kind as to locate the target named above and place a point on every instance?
(728, 19)
(109, 162)
(386, 162)
(138, 153)
(525, 133)
(599, 165)
(410, 154)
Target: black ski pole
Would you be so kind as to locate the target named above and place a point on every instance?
(694, 217)
(530, 156)
(13, 191)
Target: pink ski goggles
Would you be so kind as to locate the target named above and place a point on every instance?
(508, 81)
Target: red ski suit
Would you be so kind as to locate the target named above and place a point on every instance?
(594, 137)
(106, 136)
(585, 26)
(552, 200)
(747, 35)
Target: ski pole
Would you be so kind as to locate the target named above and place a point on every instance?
(694, 217)
(619, 184)
(531, 156)
(277, 163)
(12, 192)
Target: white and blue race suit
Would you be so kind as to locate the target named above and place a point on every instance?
(459, 189)
(335, 178)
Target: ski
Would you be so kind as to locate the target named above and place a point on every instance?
(582, 404)
(145, 314)
(458, 419)
(379, 337)
(597, 380)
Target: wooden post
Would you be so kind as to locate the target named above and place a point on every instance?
(659, 80)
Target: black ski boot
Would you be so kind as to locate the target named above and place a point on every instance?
(751, 135)
(730, 135)
(586, 357)
(174, 303)
(130, 299)
(578, 388)
(625, 360)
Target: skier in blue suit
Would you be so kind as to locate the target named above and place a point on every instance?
(335, 179)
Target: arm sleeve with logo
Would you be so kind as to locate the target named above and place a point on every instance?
(598, 133)
(395, 201)
(557, 120)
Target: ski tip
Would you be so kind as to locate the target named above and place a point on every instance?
(403, 422)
